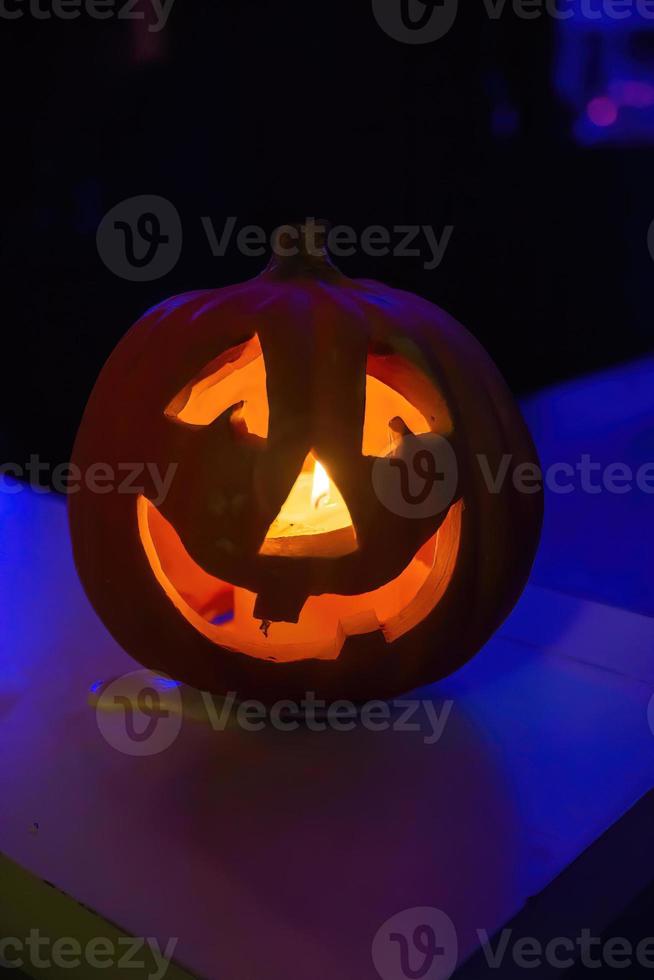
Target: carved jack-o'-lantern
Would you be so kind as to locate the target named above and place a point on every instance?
(331, 525)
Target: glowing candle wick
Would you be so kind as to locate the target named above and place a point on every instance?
(321, 486)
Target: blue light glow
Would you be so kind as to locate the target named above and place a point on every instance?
(223, 618)
(605, 72)
(167, 683)
(598, 545)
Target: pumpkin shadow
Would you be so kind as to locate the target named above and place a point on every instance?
(327, 835)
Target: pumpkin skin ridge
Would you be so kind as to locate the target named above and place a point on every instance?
(367, 666)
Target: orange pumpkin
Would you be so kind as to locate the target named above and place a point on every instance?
(329, 526)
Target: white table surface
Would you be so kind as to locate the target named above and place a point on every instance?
(276, 855)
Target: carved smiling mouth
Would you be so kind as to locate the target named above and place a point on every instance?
(225, 613)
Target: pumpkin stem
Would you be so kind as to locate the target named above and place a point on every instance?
(301, 250)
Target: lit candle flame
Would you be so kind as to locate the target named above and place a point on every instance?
(321, 486)
(313, 507)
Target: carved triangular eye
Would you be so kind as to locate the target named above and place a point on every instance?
(396, 388)
(314, 519)
(238, 375)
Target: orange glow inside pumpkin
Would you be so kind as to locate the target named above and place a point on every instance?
(313, 508)
(313, 521)
(224, 613)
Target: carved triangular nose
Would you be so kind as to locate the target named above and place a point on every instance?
(314, 520)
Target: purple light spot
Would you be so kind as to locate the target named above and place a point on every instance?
(602, 111)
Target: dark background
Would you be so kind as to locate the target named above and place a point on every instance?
(272, 111)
